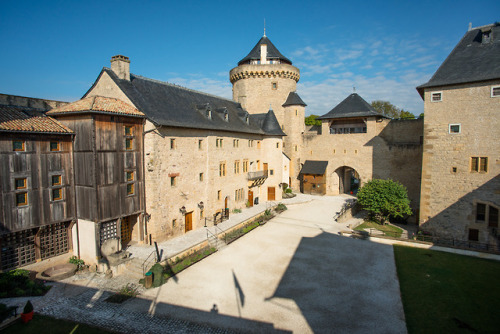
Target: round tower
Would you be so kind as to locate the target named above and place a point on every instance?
(264, 77)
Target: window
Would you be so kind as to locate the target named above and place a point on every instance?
(56, 180)
(479, 164)
(296, 112)
(201, 176)
(492, 217)
(453, 169)
(250, 143)
(172, 144)
(226, 116)
(18, 145)
(20, 183)
(495, 91)
(218, 142)
(277, 145)
(222, 169)
(436, 96)
(130, 188)
(200, 144)
(22, 199)
(236, 142)
(56, 194)
(129, 144)
(54, 146)
(454, 128)
(245, 166)
(274, 85)
(218, 195)
(237, 167)
(173, 181)
(174, 222)
(128, 130)
(480, 212)
(473, 234)
(271, 172)
(130, 176)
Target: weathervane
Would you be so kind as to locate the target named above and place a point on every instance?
(353, 89)
(264, 27)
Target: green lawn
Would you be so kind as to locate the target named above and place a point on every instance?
(389, 230)
(44, 324)
(448, 293)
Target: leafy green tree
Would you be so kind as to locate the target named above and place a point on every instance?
(311, 120)
(388, 109)
(421, 116)
(384, 199)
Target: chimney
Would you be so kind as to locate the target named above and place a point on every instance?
(263, 53)
(121, 66)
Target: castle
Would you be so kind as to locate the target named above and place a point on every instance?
(145, 160)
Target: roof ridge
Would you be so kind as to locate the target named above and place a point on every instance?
(181, 87)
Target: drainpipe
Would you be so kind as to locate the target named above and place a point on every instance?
(74, 195)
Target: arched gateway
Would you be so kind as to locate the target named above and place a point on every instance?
(348, 180)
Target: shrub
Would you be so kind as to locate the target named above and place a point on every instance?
(80, 264)
(288, 191)
(236, 210)
(281, 207)
(384, 199)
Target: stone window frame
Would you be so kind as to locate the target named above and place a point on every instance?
(236, 143)
(200, 177)
(489, 214)
(495, 91)
(173, 145)
(218, 195)
(274, 85)
(222, 169)
(476, 164)
(219, 143)
(455, 124)
(236, 167)
(436, 93)
(173, 181)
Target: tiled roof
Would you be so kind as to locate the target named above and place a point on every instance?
(98, 104)
(475, 58)
(171, 105)
(314, 167)
(352, 106)
(272, 52)
(23, 119)
(294, 99)
(268, 122)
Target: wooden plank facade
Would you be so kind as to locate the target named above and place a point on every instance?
(37, 196)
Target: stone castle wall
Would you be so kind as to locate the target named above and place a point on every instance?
(253, 87)
(187, 160)
(449, 188)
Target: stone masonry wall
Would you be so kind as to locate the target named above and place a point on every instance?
(450, 189)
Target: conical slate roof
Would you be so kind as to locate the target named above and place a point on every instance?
(294, 100)
(271, 125)
(272, 52)
(353, 106)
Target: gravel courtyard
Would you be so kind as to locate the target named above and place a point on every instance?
(293, 274)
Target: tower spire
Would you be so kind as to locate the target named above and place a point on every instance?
(264, 27)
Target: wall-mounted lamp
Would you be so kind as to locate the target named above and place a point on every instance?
(183, 210)
(201, 205)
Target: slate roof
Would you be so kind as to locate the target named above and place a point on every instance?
(471, 60)
(30, 120)
(97, 104)
(166, 104)
(294, 99)
(268, 122)
(315, 167)
(352, 106)
(272, 52)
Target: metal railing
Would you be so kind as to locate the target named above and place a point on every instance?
(148, 262)
(436, 240)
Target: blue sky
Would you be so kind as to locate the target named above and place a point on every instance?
(56, 49)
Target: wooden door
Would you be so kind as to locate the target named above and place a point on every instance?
(250, 198)
(189, 221)
(271, 193)
(126, 231)
(225, 203)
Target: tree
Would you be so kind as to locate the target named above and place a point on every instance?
(384, 199)
(388, 109)
(311, 120)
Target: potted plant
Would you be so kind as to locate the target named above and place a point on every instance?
(27, 314)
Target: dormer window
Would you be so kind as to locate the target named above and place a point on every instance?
(486, 37)
(226, 116)
(247, 119)
(208, 113)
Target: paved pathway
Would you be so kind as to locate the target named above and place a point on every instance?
(294, 274)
